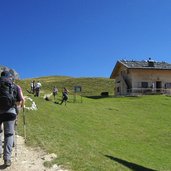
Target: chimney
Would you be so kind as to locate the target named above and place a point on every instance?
(150, 63)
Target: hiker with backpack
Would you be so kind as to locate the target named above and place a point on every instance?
(10, 96)
(37, 88)
(55, 91)
(32, 86)
(64, 96)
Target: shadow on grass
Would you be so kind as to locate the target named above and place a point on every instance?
(132, 166)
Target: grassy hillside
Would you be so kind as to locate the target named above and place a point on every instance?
(105, 134)
(90, 86)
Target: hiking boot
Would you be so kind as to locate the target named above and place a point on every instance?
(7, 163)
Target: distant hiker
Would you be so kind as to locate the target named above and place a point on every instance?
(55, 91)
(10, 97)
(32, 86)
(64, 96)
(37, 88)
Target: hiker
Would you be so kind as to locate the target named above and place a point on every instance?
(55, 91)
(32, 86)
(10, 96)
(19, 106)
(37, 88)
(64, 96)
(21, 102)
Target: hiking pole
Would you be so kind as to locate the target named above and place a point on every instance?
(15, 139)
(24, 124)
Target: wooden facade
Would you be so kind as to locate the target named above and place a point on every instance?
(141, 77)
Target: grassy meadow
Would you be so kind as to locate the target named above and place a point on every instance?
(100, 134)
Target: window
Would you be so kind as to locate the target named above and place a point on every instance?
(144, 84)
(168, 85)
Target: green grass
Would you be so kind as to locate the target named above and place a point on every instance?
(100, 134)
(90, 86)
(105, 134)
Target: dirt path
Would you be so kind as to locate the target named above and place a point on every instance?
(29, 159)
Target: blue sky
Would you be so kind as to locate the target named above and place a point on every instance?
(82, 38)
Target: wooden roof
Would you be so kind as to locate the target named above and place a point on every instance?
(148, 64)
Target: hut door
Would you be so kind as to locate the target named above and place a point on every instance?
(158, 85)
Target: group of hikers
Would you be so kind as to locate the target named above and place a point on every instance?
(35, 89)
(11, 102)
(64, 94)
